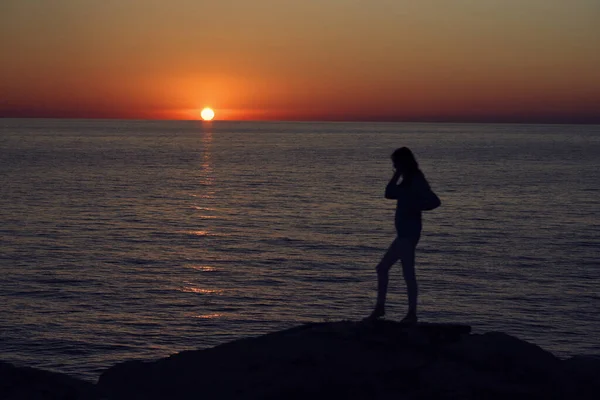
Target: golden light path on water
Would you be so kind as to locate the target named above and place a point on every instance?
(206, 194)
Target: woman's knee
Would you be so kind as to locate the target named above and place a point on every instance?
(408, 270)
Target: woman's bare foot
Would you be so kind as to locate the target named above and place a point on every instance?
(410, 319)
(377, 313)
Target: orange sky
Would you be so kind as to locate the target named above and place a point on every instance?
(404, 60)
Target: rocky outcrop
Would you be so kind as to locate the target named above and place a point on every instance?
(359, 360)
(345, 360)
(23, 383)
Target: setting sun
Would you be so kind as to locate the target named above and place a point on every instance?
(207, 114)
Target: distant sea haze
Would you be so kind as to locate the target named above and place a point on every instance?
(135, 239)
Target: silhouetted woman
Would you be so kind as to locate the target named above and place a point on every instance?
(413, 196)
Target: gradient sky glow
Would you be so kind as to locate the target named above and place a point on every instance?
(401, 60)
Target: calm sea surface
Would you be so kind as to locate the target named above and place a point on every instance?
(135, 240)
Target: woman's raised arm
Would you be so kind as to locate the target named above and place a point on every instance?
(392, 189)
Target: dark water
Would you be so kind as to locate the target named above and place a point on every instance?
(131, 239)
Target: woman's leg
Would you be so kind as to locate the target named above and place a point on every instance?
(389, 258)
(407, 247)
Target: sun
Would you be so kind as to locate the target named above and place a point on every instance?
(207, 114)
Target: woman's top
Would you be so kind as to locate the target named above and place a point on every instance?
(408, 208)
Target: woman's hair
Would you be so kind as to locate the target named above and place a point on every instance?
(406, 159)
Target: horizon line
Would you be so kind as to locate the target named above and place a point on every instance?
(498, 121)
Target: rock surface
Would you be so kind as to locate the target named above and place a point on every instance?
(23, 383)
(345, 360)
(359, 360)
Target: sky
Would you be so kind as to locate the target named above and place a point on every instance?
(373, 60)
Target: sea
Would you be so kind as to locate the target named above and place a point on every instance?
(133, 240)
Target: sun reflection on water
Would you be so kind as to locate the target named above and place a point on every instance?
(192, 289)
(203, 268)
(198, 233)
(209, 316)
(206, 161)
(204, 195)
(202, 208)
